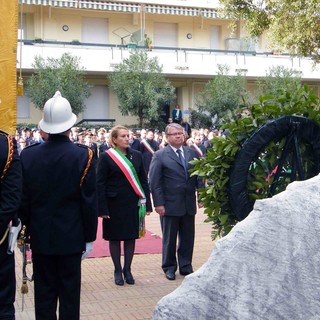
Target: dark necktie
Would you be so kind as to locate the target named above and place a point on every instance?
(183, 162)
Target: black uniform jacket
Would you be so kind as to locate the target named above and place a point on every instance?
(11, 183)
(10, 198)
(60, 214)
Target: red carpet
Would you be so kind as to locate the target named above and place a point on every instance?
(148, 244)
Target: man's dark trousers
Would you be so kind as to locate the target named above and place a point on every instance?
(186, 226)
(54, 271)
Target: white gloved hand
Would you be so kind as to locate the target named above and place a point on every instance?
(89, 247)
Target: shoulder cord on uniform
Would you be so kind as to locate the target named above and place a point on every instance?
(4, 236)
(90, 154)
(9, 160)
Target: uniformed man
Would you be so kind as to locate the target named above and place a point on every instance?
(103, 143)
(59, 208)
(91, 144)
(10, 198)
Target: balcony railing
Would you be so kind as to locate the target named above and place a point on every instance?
(189, 62)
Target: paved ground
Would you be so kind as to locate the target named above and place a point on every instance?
(101, 299)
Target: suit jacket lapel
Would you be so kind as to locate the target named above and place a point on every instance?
(172, 155)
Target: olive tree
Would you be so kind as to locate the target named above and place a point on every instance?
(64, 74)
(278, 80)
(222, 95)
(141, 87)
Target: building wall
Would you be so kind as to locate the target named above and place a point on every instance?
(47, 23)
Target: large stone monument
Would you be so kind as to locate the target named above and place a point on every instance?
(267, 267)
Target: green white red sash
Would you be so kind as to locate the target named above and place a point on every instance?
(198, 150)
(147, 145)
(130, 173)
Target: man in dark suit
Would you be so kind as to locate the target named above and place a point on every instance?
(174, 199)
(177, 114)
(148, 147)
(134, 141)
(187, 128)
(59, 209)
(10, 197)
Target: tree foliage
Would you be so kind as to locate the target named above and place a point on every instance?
(222, 95)
(277, 80)
(291, 24)
(200, 120)
(215, 167)
(64, 74)
(140, 87)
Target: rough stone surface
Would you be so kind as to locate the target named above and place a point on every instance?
(267, 267)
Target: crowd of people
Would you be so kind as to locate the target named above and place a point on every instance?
(58, 179)
(142, 140)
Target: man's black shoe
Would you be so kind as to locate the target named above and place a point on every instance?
(170, 275)
(185, 273)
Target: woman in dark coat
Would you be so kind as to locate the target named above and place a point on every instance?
(119, 199)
